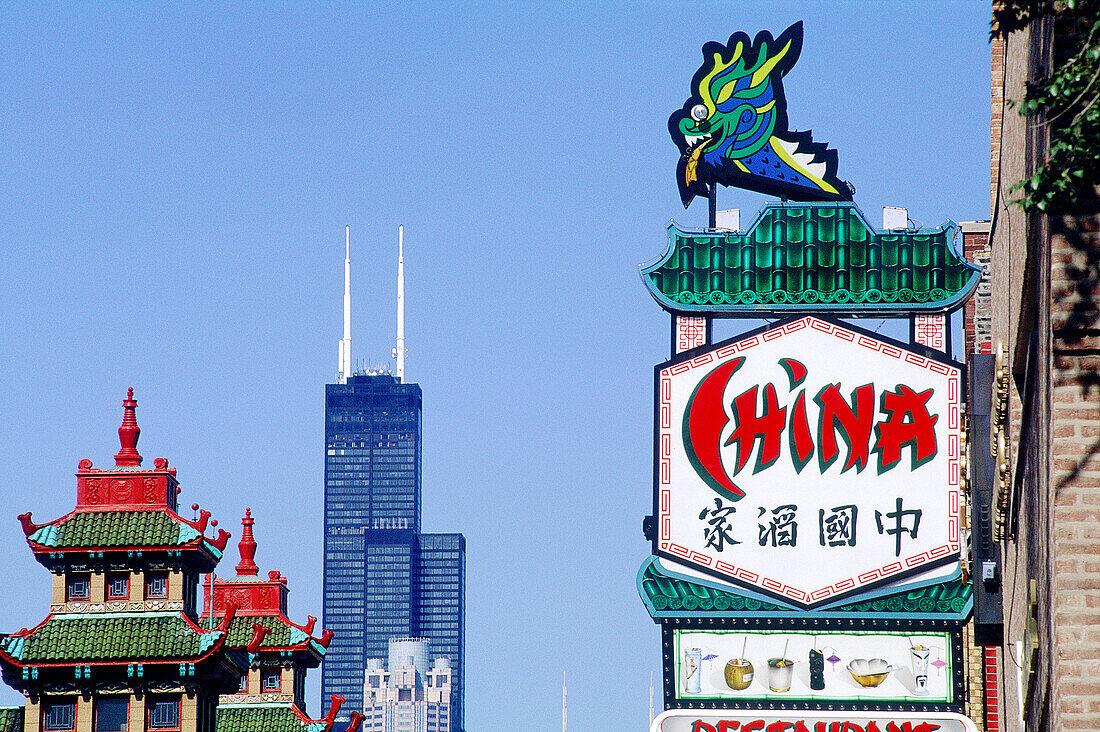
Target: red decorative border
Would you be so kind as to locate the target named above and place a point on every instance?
(992, 695)
(844, 586)
(931, 331)
(691, 332)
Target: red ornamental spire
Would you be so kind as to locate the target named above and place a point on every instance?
(128, 433)
(247, 547)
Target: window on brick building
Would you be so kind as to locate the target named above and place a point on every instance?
(78, 587)
(156, 585)
(164, 714)
(59, 715)
(112, 714)
(118, 586)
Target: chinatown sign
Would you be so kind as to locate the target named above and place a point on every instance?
(809, 460)
(684, 720)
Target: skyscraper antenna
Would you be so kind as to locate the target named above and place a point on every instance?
(400, 350)
(344, 369)
(564, 713)
(651, 696)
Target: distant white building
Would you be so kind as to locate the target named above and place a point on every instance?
(409, 696)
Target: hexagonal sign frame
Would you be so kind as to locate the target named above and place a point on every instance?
(809, 460)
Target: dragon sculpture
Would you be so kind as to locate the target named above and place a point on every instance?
(732, 130)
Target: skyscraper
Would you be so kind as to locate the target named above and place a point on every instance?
(383, 579)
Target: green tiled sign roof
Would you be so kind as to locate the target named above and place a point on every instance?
(83, 639)
(104, 529)
(811, 257)
(256, 718)
(666, 595)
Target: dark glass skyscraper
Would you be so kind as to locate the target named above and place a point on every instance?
(382, 578)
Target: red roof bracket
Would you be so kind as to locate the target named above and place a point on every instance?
(307, 628)
(337, 702)
(221, 541)
(258, 633)
(230, 611)
(356, 720)
(29, 527)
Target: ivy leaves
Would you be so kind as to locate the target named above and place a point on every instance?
(1068, 101)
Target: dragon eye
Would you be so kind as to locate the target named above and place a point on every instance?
(699, 112)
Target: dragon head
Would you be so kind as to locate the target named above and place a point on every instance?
(727, 128)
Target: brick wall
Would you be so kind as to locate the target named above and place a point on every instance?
(1075, 464)
(996, 113)
(979, 309)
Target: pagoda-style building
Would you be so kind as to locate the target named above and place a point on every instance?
(271, 697)
(123, 648)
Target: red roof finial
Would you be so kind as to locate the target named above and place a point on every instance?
(128, 433)
(247, 547)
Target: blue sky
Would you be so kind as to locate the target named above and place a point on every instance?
(175, 184)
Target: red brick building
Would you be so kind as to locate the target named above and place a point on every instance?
(1045, 281)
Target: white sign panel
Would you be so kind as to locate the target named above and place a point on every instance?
(811, 460)
(750, 720)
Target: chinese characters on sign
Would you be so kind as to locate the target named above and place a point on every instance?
(780, 528)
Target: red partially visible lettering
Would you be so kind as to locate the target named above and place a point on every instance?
(802, 443)
(854, 425)
(768, 427)
(907, 424)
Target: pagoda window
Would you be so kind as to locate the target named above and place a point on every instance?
(118, 587)
(164, 714)
(78, 587)
(272, 680)
(156, 585)
(112, 713)
(59, 715)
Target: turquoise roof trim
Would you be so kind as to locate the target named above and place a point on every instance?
(670, 594)
(13, 646)
(212, 549)
(46, 536)
(187, 533)
(207, 640)
(297, 635)
(811, 258)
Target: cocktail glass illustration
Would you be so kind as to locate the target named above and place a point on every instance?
(918, 656)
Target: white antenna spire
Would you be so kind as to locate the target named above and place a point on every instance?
(400, 350)
(344, 361)
(564, 713)
(650, 696)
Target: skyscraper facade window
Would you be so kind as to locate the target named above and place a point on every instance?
(383, 579)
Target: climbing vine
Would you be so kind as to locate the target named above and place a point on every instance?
(1067, 100)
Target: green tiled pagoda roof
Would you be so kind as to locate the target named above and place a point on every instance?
(281, 635)
(666, 595)
(257, 718)
(811, 257)
(104, 529)
(91, 638)
(11, 719)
